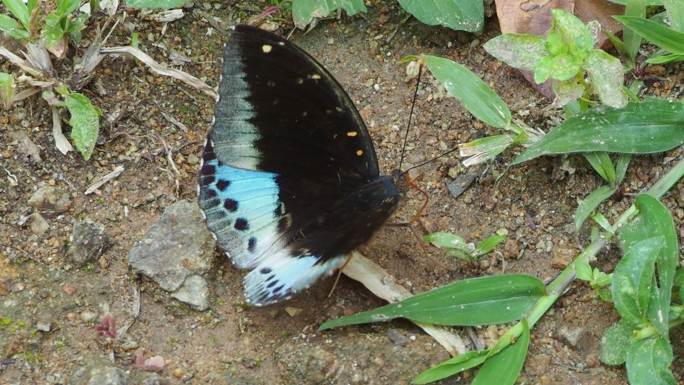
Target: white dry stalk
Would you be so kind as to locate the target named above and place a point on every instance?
(101, 181)
(161, 69)
(167, 16)
(19, 62)
(383, 285)
(61, 141)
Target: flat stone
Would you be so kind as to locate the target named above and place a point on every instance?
(88, 241)
(50, 198)
(99, 374)
(177, 246)
(38, 224)
(194, 292)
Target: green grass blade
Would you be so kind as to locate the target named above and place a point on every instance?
(451, 367)
(12, 28)
(675, 12)
(462, 15)
(590, 203)
(634, 8)
(653, 125)
(19, 10)
(658, 34)
(504, 367)
(648, 362)
(603, 165)
(664, 59)
(305, 11)
(84, 122)
(156, 4)
(65, 7)
(474, 301)
(475, 94)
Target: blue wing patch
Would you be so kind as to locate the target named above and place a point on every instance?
(242, 209)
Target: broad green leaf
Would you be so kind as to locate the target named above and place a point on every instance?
(590, 203)
(567, 92)
(12, 28)
(7, 87)
(603, 165)
(575, 34)
(305, 11)
(632, 41)
(18, 10)
(664, 59)
(675, 12)
(65, 7)
(615, 342)
(654, 220)
(653, 125)
(456, 245)
(488, 244)
(633, 280)
(648, 362)
(560, 67)
(451, 367)
(483, 149)
(462, 15)
(504, 367)
(658, 34)
(156, 4)
(53, 33)
(474, 301)
(517, 50)
(84, 122)
(476, 95)
(607, 78)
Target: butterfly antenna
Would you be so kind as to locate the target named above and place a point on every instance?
(413, 103)
(430, 160)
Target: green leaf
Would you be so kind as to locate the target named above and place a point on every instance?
(462, 15)
(658, 34)
(18, 10)
(664, 59)
(12, 28)
(476, 95)
(583, 270)
(648, 362)
(654, 220)
(453, 366)
(560, 67)
(633, 280)
(53, 32)
(452, 242)
(568, 91)
(504, 367)
(474, 301)
(590, 203)
(84, 122)
(483, 149)
(156, 4)
(305, 11)
(606, 74)
(488, 244)
(574, 33)
(7, 87)
(675, 12)
(653, 125)
(632, 41)
(648, 2)
(65, 7)
(679, 281)
(517, 50)
(615, 342)
(603, 165)
(76, 25)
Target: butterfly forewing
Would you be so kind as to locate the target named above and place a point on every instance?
(289, 182)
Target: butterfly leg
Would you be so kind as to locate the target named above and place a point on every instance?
(339, 273)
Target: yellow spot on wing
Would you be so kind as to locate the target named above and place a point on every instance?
(315, 76)
(359, 152)
(266, 48)
(352, 133)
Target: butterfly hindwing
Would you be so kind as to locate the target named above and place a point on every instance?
(290, 181)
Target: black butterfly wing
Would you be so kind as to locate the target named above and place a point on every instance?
(289, 182)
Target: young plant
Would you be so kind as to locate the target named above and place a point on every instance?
(456, 246)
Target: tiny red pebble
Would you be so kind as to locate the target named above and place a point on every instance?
(68, 289)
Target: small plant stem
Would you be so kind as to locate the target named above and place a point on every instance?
(650, 331)
(557, 287)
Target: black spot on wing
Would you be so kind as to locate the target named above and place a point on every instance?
(241, 224)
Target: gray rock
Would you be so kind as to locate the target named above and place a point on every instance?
(38, 224)
(51, 199)
(152, 379)
(99, 374)
(462, 182)
(88, 240)
(397, 337)
(177, 246)
(194, 292)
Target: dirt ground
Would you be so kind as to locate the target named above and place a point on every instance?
(533, 204)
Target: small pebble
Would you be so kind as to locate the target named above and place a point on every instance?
(87, 316)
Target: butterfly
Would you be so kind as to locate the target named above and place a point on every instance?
(289, 182)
